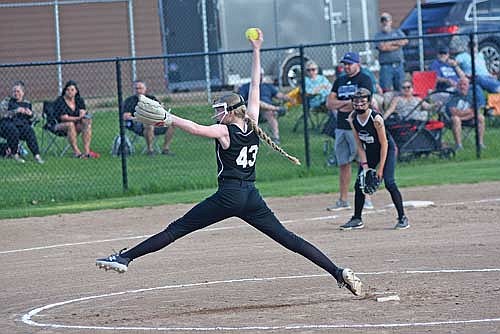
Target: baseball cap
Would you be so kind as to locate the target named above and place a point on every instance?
(386, 17)
(444, 49)
(350, 58)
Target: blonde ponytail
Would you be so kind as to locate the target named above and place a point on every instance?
(262, 135)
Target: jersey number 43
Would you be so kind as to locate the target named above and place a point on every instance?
(247, 156)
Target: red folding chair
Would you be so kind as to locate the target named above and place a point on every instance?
(424, 82)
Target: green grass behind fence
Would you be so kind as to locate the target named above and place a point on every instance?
(64, 180)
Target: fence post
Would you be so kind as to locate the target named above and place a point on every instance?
(474, 95)
(305, 106)
(121, 123)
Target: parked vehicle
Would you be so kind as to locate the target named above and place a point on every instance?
(454, 16)
(285, 23)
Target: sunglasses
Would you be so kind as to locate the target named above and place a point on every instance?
(311, 69)
(407, 87)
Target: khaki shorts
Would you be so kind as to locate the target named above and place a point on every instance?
(345, 146)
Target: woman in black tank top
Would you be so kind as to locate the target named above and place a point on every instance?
(376, 150)
(237, 143)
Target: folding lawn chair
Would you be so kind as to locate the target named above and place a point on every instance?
(52, 140)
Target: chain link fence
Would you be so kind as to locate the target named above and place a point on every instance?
(104, 84)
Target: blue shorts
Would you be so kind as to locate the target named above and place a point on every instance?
(345, 146)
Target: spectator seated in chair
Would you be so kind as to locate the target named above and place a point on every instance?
(72, 119)
(268, 110)
(16, 117)
(147, 131)
(317, 86)
(447, 70)
(408, 106)
(461, 113)
(483, 78)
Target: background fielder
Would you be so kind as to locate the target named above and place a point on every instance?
(377, 150)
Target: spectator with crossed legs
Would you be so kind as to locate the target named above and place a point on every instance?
(483, 78)
(16, 114)
(237, 143)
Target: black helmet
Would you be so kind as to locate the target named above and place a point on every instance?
(362, 93)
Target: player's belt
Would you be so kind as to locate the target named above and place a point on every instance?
(240, 182)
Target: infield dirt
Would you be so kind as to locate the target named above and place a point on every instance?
(51, 259)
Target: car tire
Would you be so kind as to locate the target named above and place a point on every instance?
(291, 72)
(490, 47)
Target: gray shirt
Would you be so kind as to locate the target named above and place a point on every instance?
(388, 57)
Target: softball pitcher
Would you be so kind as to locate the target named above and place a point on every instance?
(236, 143)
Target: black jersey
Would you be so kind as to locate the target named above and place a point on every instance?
(345, 87)
(368, 135)
(13, 105)
(238, 161)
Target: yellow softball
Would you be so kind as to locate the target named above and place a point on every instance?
(252, 33)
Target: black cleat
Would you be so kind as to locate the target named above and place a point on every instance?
(402, 223)
(114, 262)
(353, 223)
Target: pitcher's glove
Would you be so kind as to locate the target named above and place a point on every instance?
(151, 112)
(368, 181)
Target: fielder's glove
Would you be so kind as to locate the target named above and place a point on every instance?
(368, 181)
(151, 112)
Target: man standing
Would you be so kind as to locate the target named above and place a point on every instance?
(390, 55)
(340, 101)
(146, 131)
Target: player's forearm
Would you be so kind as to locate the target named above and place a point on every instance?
(383, 156)
(255, 79)
(196, 129)
(253, 104)
(384, 145)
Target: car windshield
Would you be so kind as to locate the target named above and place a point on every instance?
(432, 15)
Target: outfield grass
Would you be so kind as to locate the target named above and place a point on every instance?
(408, 175)
(70, 185)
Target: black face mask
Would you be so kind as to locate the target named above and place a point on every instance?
(360, 111)
(360, 107)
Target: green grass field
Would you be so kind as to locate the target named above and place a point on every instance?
(69, 185)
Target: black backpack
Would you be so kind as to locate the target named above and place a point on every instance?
(116, 149)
